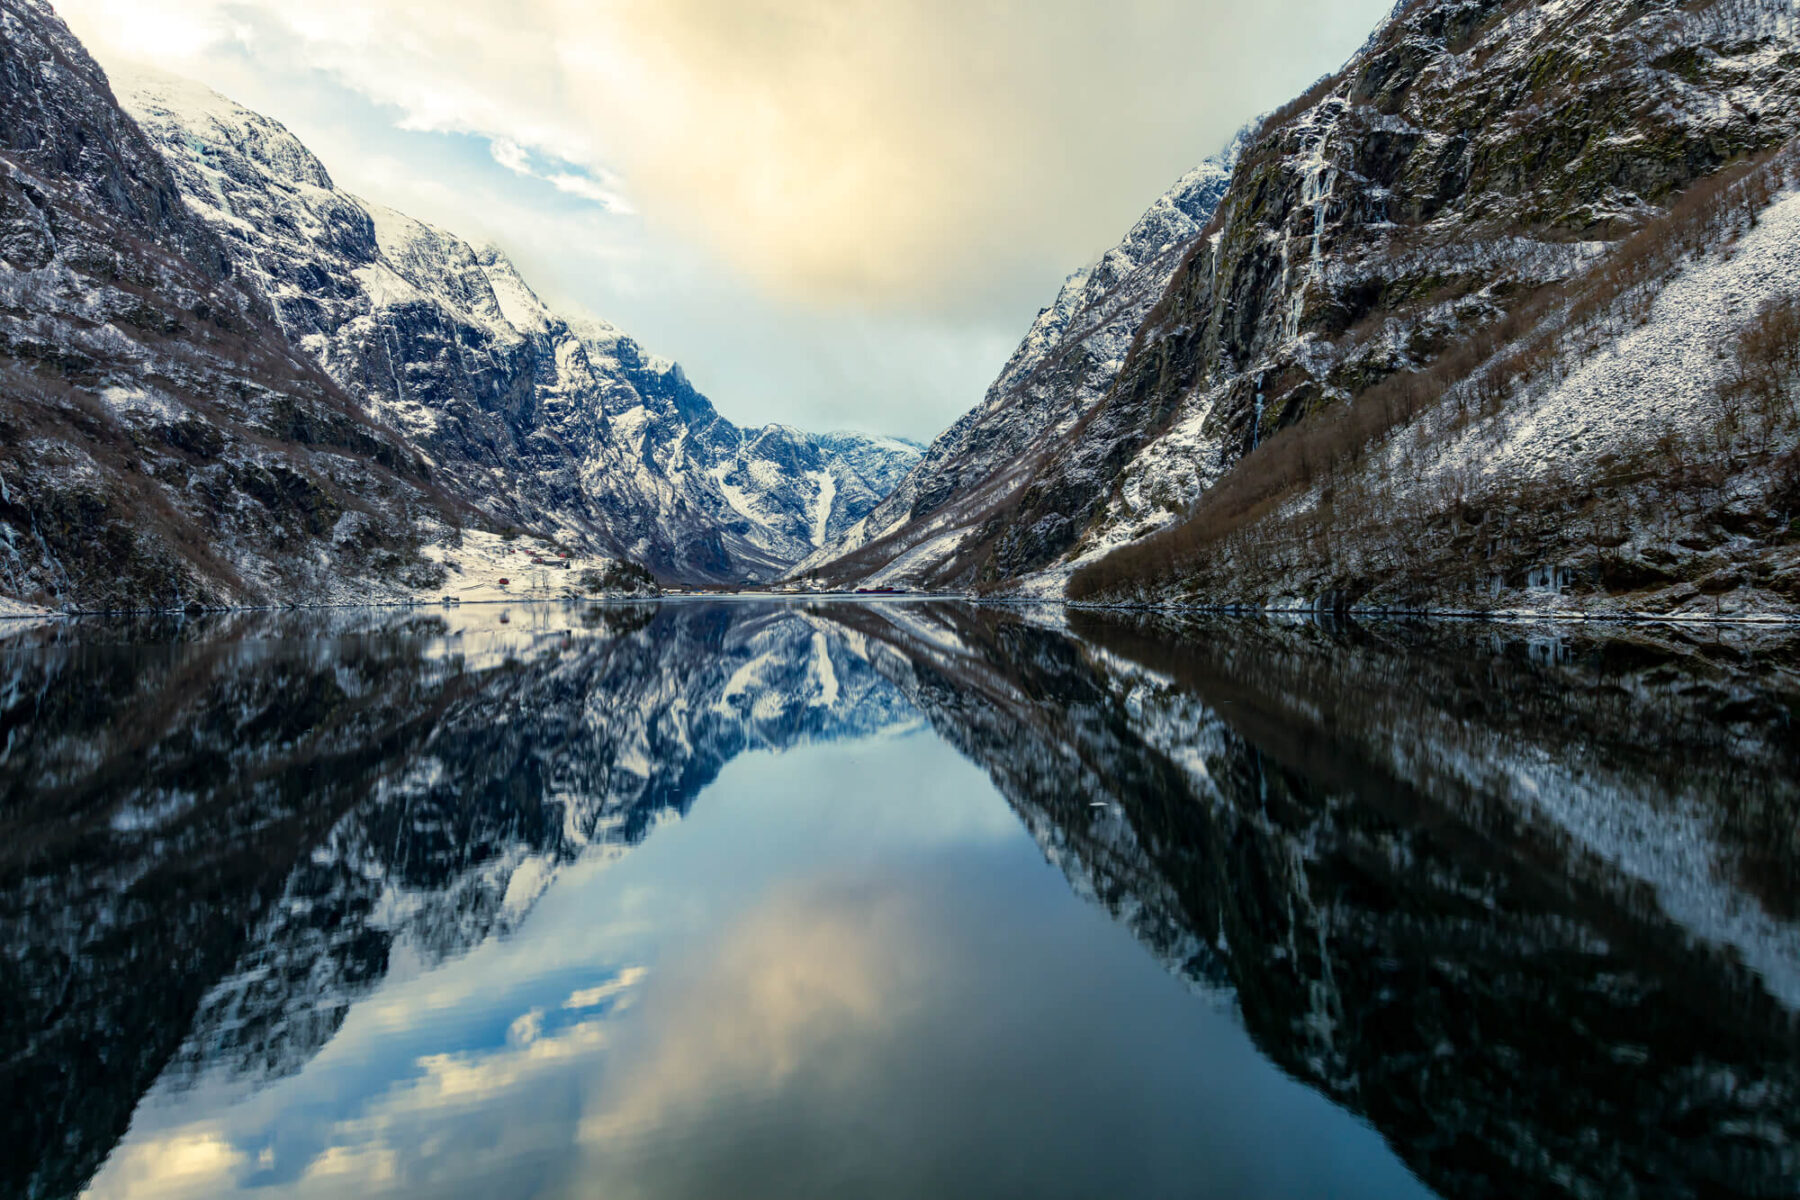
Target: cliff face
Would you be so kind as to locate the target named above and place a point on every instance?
(565, 427)
(1473, 153)
(160, 442)
(1479, 170)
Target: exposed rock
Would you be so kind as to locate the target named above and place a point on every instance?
(161, 444)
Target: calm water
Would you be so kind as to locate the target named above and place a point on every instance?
(744, 900)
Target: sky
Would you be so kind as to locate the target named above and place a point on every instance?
(837, 214)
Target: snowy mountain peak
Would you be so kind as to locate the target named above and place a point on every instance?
(565, 427)
(164, 97)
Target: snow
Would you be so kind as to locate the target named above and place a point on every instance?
(827, 486)
(136, 402)
(1660, 377)
(1672, 845)
(923, 556)
(150, 94)
(742, 680)
(824, 671)
(518, 303)
(740, 500)
(476, 568)
(18, 615)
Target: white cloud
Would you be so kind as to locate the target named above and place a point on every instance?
(836, 213)
(511, 155)
(517, 159)
(880, 151)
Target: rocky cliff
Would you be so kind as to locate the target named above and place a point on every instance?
(1490, 194)
(160, 442)
(1386, 326)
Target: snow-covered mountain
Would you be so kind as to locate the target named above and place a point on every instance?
(562, 426)
(1488, 196)
(160, 442)
(1063, 368)
(1491, 194)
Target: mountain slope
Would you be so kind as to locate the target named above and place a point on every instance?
(1471, 158)
(1064, 366)
(1636, 450)
(1385, 234)
(160, 443)
(567, 428)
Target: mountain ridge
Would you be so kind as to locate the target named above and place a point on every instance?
(600, 440)
(160, 444)
(1060, 369)
(1474, 157)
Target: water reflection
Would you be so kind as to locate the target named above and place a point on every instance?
(407, 905)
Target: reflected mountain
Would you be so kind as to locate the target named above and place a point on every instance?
(1526, 902)
(219, 836)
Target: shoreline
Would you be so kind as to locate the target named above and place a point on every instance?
(1470, 616)
(1465, 616)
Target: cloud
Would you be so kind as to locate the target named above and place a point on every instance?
(194, 1162)
(518, 160)
(917, 154)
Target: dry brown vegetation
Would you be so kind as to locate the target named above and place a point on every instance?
(1249, 516)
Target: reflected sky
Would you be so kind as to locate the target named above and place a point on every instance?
(848, 971)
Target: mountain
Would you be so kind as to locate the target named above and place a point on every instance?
(568, 428)
(1486, 360)
(160, 442)
(1062, 369)
(1407, 363)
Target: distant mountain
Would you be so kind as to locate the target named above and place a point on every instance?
(561, 426)
(1407, 364)
(1062, 369)
(160, 442)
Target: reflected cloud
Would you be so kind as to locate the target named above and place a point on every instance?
(192, 1163)
(813, 981)
(596, 996)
